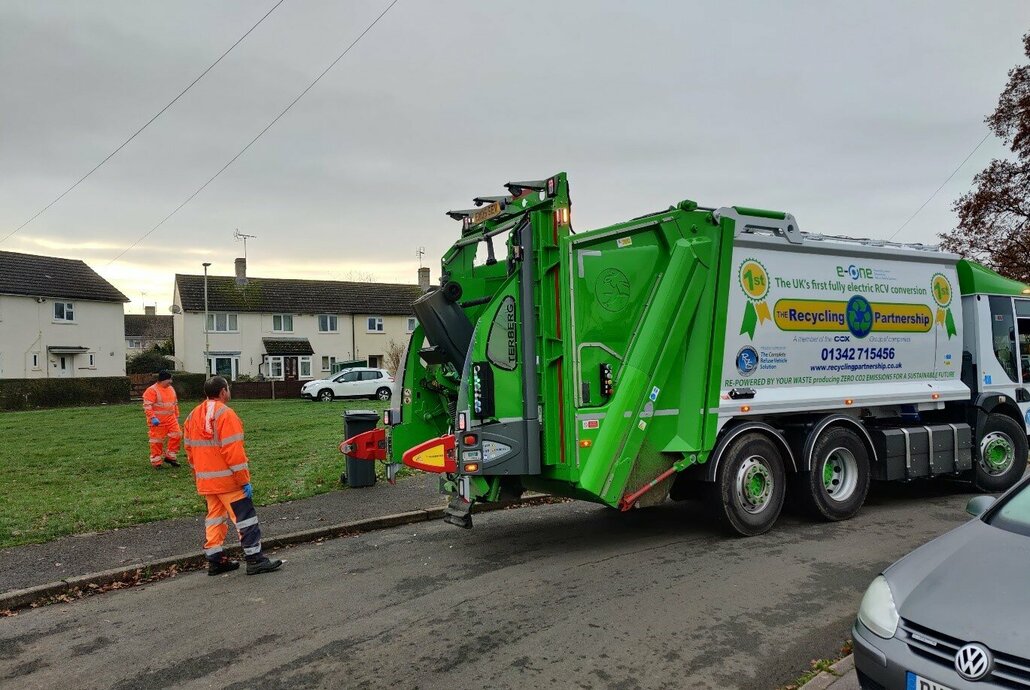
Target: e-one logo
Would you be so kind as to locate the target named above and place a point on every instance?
(854, 272)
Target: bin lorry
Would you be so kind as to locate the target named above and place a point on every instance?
(718, 353)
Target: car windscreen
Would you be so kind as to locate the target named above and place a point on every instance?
(1014, 514)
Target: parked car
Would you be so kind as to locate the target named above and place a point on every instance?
(359, 382)
(953, 613)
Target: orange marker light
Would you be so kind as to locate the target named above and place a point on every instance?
(586, 443)
(935, 396)
(848, 401)
(745, 408)
(471, 467)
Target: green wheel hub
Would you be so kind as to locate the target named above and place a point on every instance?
(754, 484)
(997, 453)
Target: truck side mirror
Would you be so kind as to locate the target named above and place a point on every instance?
(978, 505)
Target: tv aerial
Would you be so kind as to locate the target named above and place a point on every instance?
(238, 236)
(419, 253)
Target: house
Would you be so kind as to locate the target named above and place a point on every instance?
(287, 329)
(58, 319)
(144, 331)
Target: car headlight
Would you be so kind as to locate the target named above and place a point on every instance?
(878, 612)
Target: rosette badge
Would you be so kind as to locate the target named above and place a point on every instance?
(754, 281)
(940, 288)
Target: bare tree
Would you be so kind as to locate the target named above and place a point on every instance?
(354, 276)
(393, 355)
(994, 218)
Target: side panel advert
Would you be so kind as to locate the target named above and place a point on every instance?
(802, 319)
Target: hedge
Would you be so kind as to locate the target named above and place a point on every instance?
(188, 386)
(26, 394)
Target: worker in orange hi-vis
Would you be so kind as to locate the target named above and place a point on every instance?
(162, 408)
(214, 449)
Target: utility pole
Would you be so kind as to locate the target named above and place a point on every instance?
(207, 333)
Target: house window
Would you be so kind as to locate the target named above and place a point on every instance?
(328, 363)
(222, 323)
(375, 324)
(92, 361)
(412, 323)
(275, 367)
(64, 311)
(35, 360)
(227, 366)
(282, 323)
(305, 367)
(327, 323)
(135, 344)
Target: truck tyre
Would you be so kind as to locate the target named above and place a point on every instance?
(838, 482)
(750, 484)
(1001, 454)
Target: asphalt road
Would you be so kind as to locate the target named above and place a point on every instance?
(567, 595)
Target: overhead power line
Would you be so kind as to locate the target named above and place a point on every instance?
(232, 160)
(930, 198)
(147, 124)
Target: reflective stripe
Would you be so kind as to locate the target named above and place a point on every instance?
(220, 412)
(237, 468)
(211, 522)
(232, 439)
(163, 404)
(213, 475)
(174, 434)
(252, 550)
(155, 457)
(247, 523)
(200, 442)
(213, 550)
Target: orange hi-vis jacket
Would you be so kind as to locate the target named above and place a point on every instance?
(214, 448)
(161, 402)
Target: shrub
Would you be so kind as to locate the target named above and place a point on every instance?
(25, 394)
(188, 386)
(149, 362)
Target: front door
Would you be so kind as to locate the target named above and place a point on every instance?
(291, 369)
(64, 366)
(1023, 355)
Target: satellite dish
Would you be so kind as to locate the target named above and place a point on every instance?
(175, 309)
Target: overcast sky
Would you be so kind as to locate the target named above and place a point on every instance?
(846, 114)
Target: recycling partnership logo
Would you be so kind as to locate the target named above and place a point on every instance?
(859, 316)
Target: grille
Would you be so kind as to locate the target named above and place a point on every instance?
(1009, 671)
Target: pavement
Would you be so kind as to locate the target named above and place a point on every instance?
(83, 554)
(841, 676)
(562, 595)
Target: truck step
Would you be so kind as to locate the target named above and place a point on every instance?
(458, 513)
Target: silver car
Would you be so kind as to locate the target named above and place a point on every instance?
(954, 613)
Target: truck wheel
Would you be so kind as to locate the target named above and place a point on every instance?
(837, 485)
(749, 487)
(325, 395)
(1001, 456)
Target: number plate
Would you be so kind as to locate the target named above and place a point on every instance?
(919, 683)
(486, 213)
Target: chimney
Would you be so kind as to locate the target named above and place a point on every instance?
(241, 272)
(423, 278)
(150, 311)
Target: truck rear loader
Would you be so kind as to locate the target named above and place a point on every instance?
(718, 353)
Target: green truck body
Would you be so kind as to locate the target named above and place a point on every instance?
(702, 352)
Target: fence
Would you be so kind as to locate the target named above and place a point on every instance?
(191, 387)
(187, 386)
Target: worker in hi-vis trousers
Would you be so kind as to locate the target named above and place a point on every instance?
(214, 448)
(162, 408)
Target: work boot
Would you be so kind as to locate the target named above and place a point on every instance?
(172, 461)
(262, 565)
(222, 565)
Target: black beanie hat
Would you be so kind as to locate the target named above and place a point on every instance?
(163, 375)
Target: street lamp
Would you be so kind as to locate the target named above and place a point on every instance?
(207, 333)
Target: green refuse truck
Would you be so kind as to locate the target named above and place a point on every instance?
(698, 352)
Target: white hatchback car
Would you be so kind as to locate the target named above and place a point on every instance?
(376, 384)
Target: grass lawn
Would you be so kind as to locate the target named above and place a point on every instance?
(87, 469)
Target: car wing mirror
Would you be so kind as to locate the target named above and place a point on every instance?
(978, 505)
